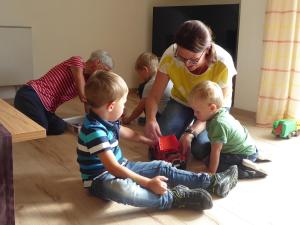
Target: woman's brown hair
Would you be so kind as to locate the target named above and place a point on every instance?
(195, 36)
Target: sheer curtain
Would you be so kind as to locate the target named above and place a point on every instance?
(279, 95)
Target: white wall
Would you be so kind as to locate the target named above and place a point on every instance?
(124, 28)
(250, 50)
(61, 29)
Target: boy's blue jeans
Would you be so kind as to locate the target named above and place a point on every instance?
(175, 119)
(127, 191)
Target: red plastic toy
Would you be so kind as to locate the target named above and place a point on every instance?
(168, 149)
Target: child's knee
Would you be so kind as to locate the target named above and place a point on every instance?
(122, 191)
(121, 186)
(163, 164)
(164, 168)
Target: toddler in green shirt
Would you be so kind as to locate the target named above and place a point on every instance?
(231, 143)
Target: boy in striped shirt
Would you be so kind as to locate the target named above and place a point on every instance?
(40, 98)
(110, 176)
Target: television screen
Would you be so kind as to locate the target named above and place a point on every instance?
(222, 19)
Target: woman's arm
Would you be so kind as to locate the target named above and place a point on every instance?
(157, 90)
(186, 138)
(157, 184)
(198, 126)
(227, 93)
(79, 81)
(152, 129)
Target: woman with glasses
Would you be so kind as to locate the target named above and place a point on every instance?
(193, 58)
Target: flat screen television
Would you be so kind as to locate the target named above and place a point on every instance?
(222, 19)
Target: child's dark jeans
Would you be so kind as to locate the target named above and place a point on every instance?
(227, 160)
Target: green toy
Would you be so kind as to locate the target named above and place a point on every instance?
(286, 128)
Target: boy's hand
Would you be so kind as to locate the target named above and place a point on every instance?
(158, 185)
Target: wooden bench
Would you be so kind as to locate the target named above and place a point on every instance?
(14, 127)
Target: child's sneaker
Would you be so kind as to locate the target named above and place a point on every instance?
(198, 199)
(251, 170)
(222, 183)
(262, 158)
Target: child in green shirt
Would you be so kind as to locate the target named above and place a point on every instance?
(231, 143)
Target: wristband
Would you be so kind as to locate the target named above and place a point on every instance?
(190, 131)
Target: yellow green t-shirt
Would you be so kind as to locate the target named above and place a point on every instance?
(221, 72)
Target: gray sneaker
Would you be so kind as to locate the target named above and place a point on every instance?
(222, 183)
(197, 199)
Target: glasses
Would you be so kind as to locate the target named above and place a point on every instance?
(184, 60)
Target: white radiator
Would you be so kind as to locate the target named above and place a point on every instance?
(16, 60)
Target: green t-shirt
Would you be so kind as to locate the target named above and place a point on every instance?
(224, 128)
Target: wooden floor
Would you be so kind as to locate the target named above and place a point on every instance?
(48, 189)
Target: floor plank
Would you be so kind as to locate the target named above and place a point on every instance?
(48, 188)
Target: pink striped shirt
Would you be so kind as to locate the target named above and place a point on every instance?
(58, 85)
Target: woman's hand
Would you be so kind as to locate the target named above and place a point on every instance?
(185, 142)
(158, 185)
(152, 130)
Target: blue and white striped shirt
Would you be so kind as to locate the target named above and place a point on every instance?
(96, 136)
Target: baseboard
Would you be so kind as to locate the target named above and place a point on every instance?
(242, 112)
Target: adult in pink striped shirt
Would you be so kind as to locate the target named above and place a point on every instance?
(39, 99)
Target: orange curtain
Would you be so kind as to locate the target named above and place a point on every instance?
(279, 95)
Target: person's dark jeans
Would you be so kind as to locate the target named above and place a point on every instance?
(28, 102)
(175, 119)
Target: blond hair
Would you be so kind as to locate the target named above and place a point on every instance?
(207, 91)
(149, 60)
(104, 87)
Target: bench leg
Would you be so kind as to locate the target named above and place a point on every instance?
(7, 216)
